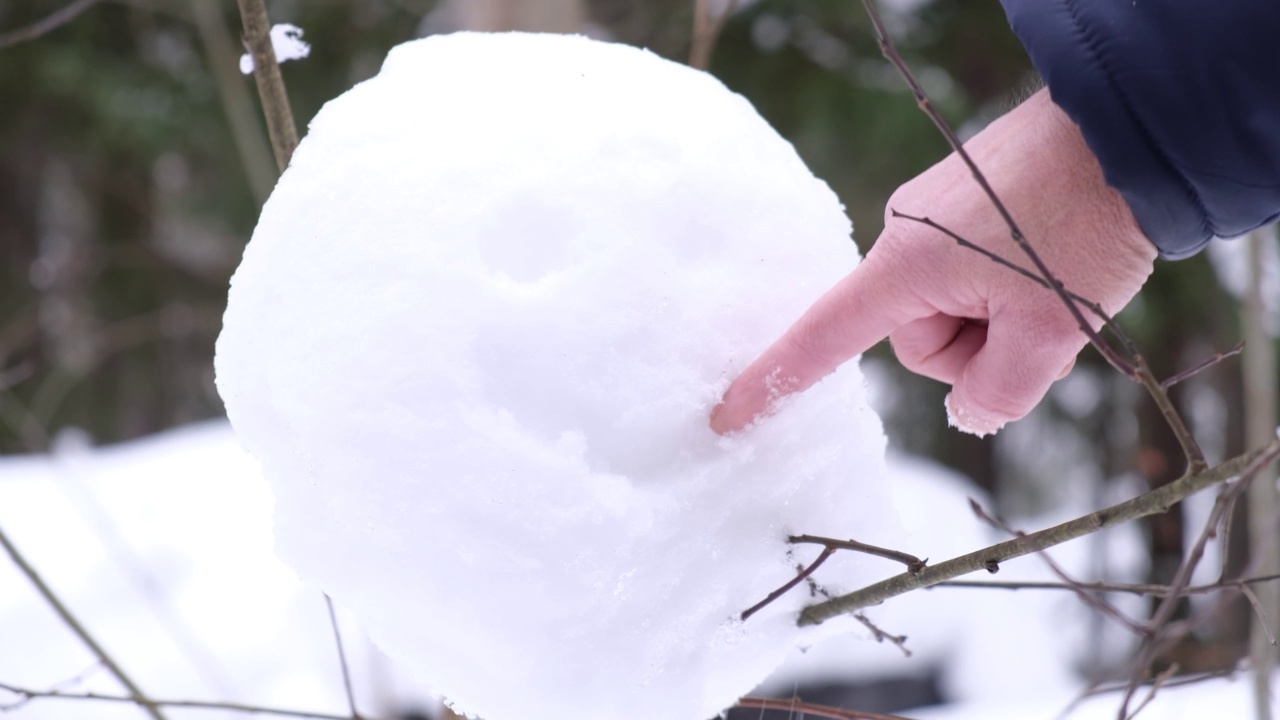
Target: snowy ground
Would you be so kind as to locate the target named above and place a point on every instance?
(162, 548)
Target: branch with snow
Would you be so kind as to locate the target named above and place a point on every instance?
(266, 73)
(287, 44)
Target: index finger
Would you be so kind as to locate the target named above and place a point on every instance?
(858, 312)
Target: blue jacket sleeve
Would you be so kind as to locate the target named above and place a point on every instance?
(1179, 99)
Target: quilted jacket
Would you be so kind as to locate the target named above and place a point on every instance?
(1179, 100)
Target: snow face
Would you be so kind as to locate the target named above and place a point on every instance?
(474, 343)
(286, 41)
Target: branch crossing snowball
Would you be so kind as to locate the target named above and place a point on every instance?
(475, 341)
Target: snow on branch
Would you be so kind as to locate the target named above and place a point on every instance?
(286, 41)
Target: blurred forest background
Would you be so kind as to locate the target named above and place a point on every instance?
(133, 161)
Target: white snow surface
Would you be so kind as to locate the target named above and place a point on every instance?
(162, 549)
(474, 343)
(1218, 698)
(286, 41)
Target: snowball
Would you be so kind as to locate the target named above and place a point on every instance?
(286, 41)
(475, 341)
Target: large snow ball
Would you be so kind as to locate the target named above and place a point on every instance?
(474, 343)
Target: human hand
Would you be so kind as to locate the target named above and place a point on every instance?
(998, 338)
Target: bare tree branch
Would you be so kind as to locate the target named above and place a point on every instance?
(342, 658)
(1092, 599)
(1092, 306)
(1130, 588)
(913, 563)
(830, 545)
(42, 27)
(799, 708)
(1121, 687)
(135, 693)
(1195, 456)
(1149, 503)
(1155, 688)
(1202, 366)
(1263, 626)
(186, 704)
(881, 636)
(804, 573)
(73, 681)
(1153, 644)
(266, 71)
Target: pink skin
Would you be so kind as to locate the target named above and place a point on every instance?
(997, 338)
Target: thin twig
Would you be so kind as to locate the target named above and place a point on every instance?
(342, 658)
(187, 704)
(1100, 689)
(881, 636)
(1093, 600)
(1149, 503)
(50, 23)
(1202, 366)
(1174, 631)
(135, 693)
(1153, 644)
(913, 563)
(1184, 680)
(1092, 306)
(1260, 612)
(806, 572)
(1155, 688)
(70, 682)
(266, 71)
(799, 708)
(1190, 448)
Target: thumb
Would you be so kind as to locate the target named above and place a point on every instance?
(1024, 354)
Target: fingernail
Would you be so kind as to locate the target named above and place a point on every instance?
(717, 419)
(722, 415)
